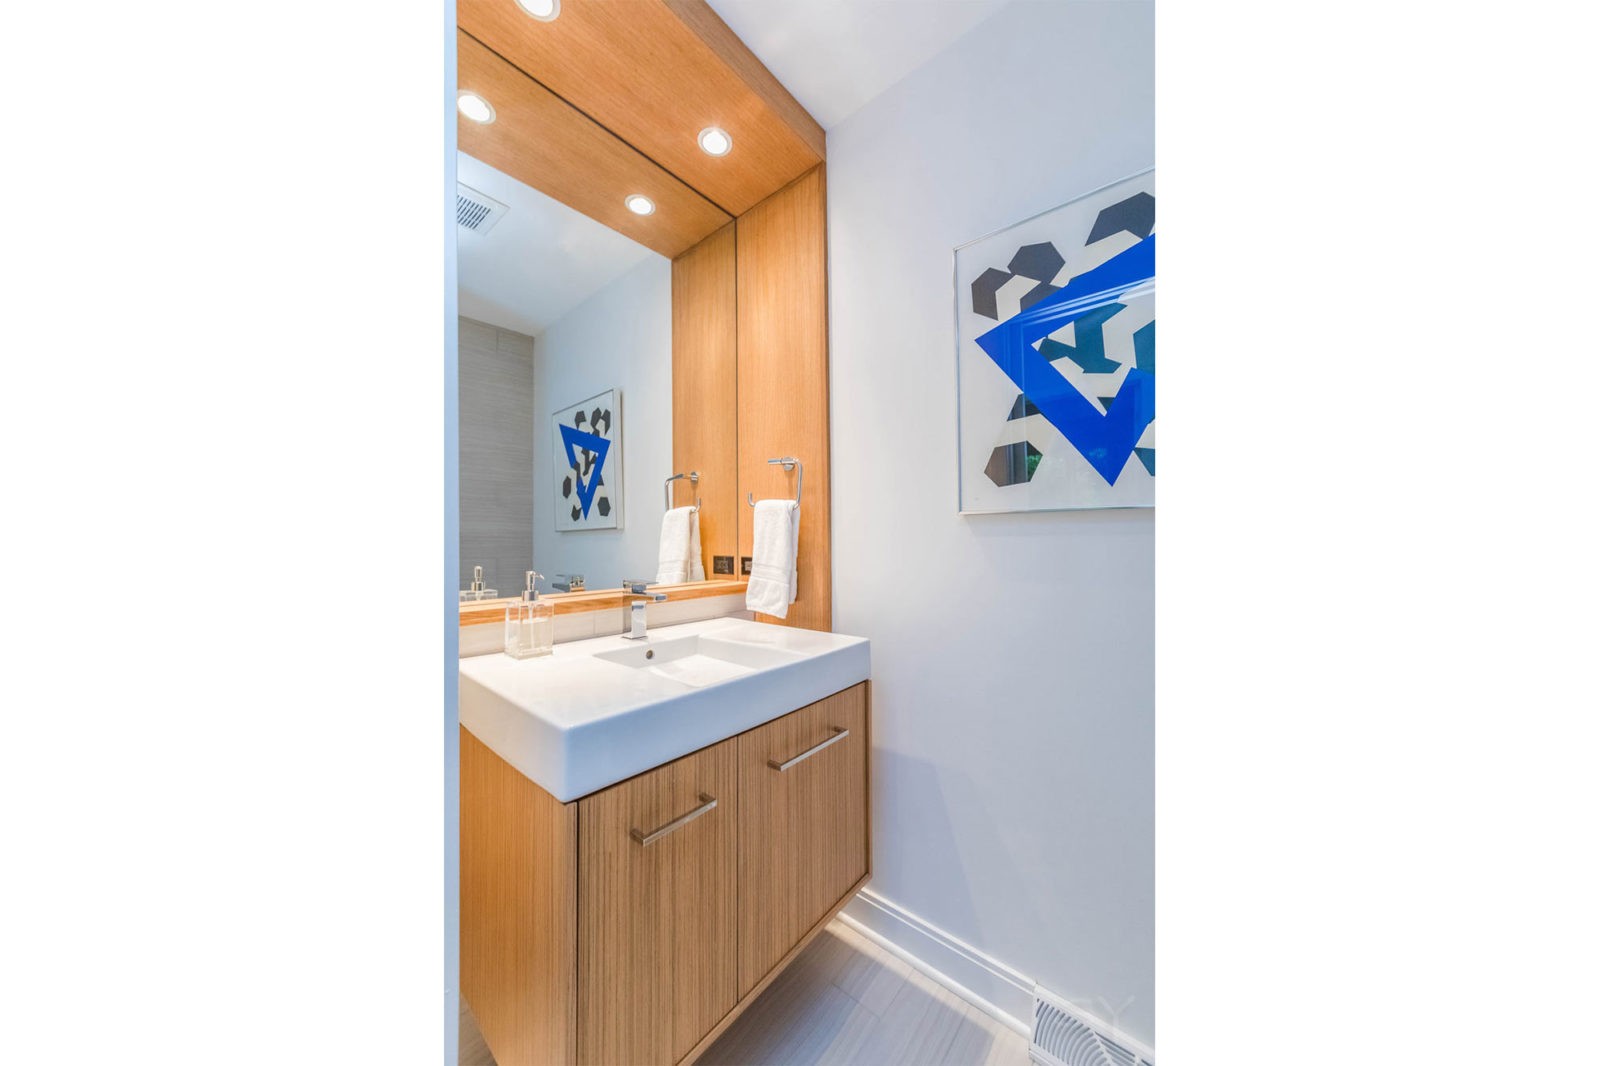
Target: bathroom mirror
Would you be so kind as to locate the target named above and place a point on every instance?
(566, 393)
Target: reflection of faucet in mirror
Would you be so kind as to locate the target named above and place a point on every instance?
(568, 583)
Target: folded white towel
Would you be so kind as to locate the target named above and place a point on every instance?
(680, 534)
(773, 585)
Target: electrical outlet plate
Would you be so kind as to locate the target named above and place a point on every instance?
(722, 564)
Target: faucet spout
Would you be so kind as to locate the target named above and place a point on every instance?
(633, 620)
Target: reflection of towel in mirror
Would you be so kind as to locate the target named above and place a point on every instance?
(776, 546)
(679, 558)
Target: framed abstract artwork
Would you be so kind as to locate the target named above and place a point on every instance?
(588, 463)
(1056, 357)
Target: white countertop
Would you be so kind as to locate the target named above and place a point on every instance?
(574, 723)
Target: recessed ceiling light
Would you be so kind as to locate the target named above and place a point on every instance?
(714, 141)
(640, 205)
(474, 107)
(543, 10)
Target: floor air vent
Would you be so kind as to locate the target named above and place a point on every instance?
(475, 211)
(1065, 1036)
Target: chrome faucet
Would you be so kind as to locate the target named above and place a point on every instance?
(633, 618)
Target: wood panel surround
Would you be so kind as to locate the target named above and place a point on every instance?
(546, 143)
(783, 378)
(705, 389)
(656, 73)
(583, 942)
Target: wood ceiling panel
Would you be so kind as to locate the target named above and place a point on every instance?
(541, 140)
(657, 72)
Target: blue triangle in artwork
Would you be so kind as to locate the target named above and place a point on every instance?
(577, 438)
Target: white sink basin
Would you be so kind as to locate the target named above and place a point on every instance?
(697, 660)
(600, 711)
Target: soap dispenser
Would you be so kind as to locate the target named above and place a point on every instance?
(530, 623)
(477, 591)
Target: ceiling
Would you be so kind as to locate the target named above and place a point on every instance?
(539, 261)
(835, 55)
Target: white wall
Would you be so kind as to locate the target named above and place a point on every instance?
(1013, 655)
(621, 337)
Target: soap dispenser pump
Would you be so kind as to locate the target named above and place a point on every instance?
(530, 623)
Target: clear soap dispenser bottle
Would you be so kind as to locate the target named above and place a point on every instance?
(530, 623)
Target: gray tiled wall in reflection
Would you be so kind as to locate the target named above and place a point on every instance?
(496, 455)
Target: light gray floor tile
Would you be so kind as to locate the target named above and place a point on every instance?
(845, 1002)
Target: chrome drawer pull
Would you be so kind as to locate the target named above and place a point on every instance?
(707, 805)
(838, 735)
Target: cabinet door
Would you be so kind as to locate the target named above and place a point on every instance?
(802, 826)
(656, 867)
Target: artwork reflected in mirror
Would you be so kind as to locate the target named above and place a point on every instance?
(565, 392)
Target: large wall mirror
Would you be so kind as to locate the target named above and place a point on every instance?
(627, 295)
(566, 393)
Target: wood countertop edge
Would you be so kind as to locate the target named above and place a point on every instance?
(486, 612)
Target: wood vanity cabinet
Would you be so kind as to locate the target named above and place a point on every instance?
(634, 924)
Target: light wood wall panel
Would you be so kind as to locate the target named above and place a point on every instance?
(657, 72)
(519, 905)
(543, 141)
(783, 377)
(705, 380)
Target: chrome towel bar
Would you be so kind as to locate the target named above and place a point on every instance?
(694, 479)
(788, 462)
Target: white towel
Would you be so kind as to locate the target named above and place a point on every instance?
(679, 557)
(697, 566)
(773, 586)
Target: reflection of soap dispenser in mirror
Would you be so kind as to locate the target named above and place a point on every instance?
(477, 591)
(530, 623)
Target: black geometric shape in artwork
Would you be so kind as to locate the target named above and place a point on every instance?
(576, 514)
(1147, 456)
(1144, 348)
(604, 504)
(1136, 215)
(566, 488)
(1013, 464)
(1037, 293)
(984, 290)
(1105, 401)
(594, 421)
(1023, 408)
(588, 462)
(1041, 262)
(578, 420)
(604, 416)
(1089, 351)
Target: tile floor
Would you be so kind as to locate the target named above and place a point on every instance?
(845, 1002)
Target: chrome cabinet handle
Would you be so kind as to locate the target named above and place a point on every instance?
(707, 805)
(838, 735)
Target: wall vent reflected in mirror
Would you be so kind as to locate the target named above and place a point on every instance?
(475, 211)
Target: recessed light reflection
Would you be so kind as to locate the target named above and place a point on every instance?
(640, 205)
(543, 10)
(474, 106)
(714, 141)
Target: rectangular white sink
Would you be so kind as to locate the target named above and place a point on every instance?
(698, 660)
(599, 711)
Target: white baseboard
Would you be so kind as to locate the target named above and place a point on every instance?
(980, 979)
